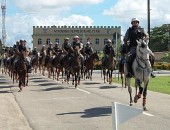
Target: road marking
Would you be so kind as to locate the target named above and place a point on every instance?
(57, 99)
(148, 114)
(83, 90)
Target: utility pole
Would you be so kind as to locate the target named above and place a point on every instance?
(148, 10)
(3, 7)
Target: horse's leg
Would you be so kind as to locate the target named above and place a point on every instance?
(129, 90)
(91, 71)
(104, 75)
(144, 95)
(138, 96)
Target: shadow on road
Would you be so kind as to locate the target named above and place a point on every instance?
(93, 112)
(108, 87)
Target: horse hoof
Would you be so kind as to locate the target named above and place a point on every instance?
(136, 99)
(131, 104)
(145, 109)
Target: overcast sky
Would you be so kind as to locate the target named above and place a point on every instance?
(22, 15)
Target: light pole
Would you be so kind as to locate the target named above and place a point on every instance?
(148, 10)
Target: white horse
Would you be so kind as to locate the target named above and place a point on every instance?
(142, 70)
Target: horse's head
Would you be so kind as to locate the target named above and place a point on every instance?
(143, 52)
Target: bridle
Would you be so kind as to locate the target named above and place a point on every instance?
(141, 59)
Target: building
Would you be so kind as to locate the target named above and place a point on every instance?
(43, 35)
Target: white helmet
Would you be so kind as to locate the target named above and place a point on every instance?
(135, 19)
(109, 41)
(88, 43)
(76, 37)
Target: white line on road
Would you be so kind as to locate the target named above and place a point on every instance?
(148, 114)
(83, 90)
(56, 99)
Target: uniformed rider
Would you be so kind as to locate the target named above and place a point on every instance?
(135, 32)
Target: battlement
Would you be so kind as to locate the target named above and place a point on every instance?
(77, 27)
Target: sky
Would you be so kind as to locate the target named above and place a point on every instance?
(22, 15)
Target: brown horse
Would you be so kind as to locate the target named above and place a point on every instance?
(121, 71)
(21, 70)
(109, 67)
(42, 62)
(76, 68)
(56, 63)
(89, 64)
(35, 63)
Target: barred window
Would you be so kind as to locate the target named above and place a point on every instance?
(105, 41)
(97, 40)
(39, 41)
(48, 41)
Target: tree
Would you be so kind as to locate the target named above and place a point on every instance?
(160, 38)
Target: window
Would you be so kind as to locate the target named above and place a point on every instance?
(48, 41)
(39, 41)
(97, 40)
(57, 40)
(105, 41)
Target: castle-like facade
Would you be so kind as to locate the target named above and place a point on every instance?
(98, 35)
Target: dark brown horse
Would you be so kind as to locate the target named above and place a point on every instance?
(89, 64)
(35, 63)
(21, 70)
(76, 68)
(109, 67)
(121, 71)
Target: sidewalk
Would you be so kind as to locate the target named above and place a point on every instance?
(11, 117)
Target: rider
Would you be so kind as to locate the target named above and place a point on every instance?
(132, 34)
(79, 45)
(34, 53)
(22, 49)
(107, 50)
(56, 48)
(88, 50)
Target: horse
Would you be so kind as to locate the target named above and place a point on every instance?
(42, 62)
(141, 67)
(35, 63)
(109, 67)
(121, 71)
(89, 64)
(76, 68)
(21, 70)
(56, 63)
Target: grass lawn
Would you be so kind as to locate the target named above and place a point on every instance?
(159, 84)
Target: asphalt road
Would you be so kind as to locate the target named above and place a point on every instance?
(51, 105)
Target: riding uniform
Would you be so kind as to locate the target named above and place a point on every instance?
(132, 34)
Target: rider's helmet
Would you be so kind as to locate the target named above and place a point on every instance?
(88, 43)
(135, 20)
(109, 41)
(66, 39)
(56, 43)
(76, 37)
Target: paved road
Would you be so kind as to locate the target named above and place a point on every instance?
(51, 105)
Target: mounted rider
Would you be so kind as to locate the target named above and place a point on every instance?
(48, 53)
(34, 54)
(57, 49)
(88, 50)
(76, 44)
(108, 48)
(21, 48)
(135, 32)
